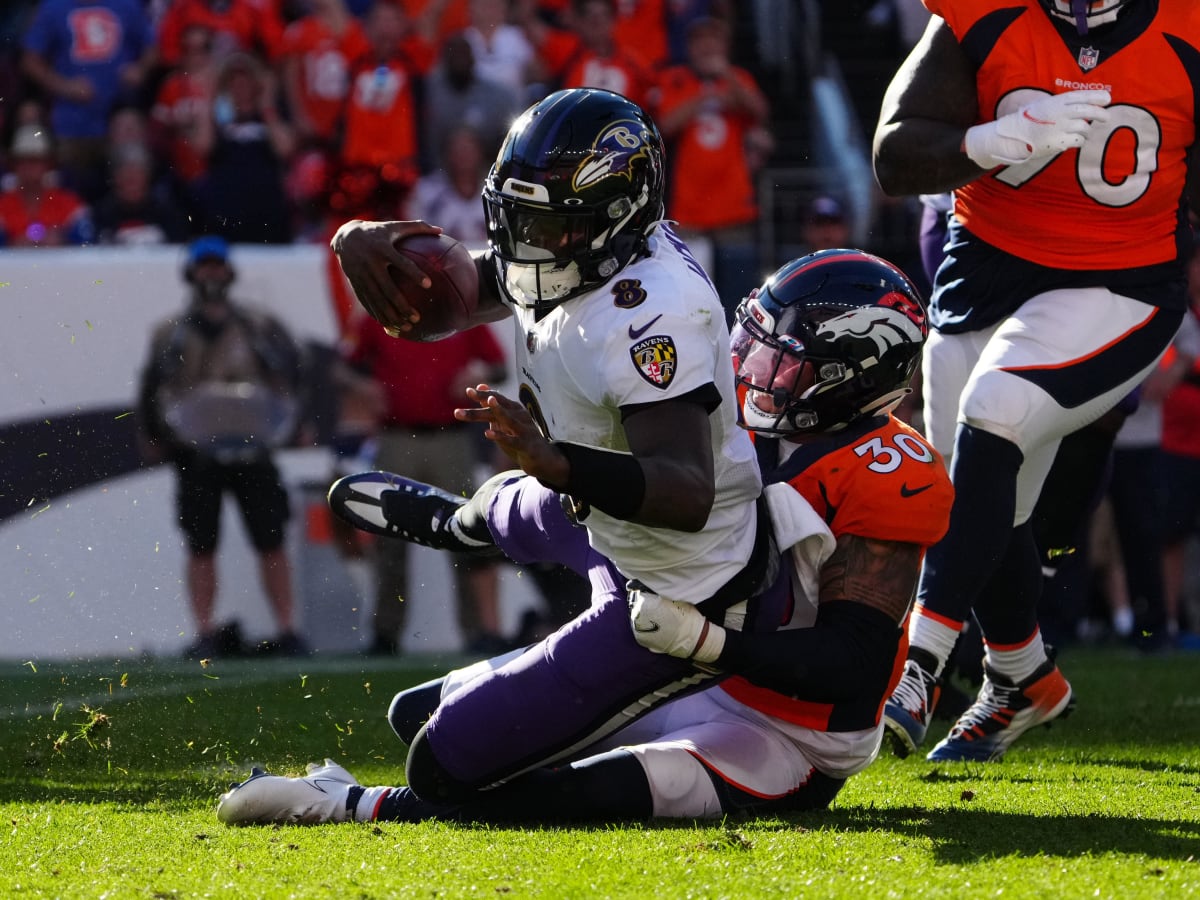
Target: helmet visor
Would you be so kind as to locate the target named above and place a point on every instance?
(520, 232)
(773, 369)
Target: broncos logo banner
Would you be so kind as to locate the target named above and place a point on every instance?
(656, 359)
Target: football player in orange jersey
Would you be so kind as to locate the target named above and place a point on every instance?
(823, 351)
(1064, 128)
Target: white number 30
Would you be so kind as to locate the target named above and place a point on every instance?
(886, 458)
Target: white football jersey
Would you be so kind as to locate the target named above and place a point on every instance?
(654, 332)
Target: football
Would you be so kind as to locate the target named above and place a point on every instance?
(450, 301)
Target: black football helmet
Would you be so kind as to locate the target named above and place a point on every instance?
(828, 339)
(1086, 14)
(573, 194)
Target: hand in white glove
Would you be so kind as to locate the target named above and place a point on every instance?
(1045, 127)
(678, 629)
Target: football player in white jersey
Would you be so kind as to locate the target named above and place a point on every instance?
(803, 711)
(626, 405)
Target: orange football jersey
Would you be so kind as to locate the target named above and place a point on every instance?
(1118, 197)
(886, 483)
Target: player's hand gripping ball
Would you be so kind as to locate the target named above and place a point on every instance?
(447, 305)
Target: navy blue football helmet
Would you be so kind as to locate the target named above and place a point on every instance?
(828, 339)
(575, 190)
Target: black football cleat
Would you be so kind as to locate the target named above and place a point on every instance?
(390, 505)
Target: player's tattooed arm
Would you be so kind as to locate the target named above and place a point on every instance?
(878, 574)
(852, 646)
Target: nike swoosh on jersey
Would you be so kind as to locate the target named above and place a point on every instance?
(635, 333)
(906, 491)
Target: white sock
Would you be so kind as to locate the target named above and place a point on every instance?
(456, 529)
(368, 803)
(1016, 661)
(933, 634)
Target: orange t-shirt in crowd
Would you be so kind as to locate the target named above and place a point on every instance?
(45, 223)
(324, 59)
(711, 185)
(455, 17)
(181, 101)
(240, 25)
(1121, 192)
(381, 110)
(641, 30)
(886, 483)
(571, 65)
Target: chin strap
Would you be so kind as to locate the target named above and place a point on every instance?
(1080, 10)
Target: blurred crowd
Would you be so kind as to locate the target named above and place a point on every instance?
(273, 121)
(133, 122)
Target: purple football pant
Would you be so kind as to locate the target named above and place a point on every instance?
(582, 683)
(529, 524)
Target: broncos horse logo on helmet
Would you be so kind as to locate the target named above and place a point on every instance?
(830, 338)
(572, 196)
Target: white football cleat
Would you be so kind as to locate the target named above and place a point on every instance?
(266, 799)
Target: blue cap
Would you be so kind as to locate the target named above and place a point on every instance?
(208, 247)
(826, 208)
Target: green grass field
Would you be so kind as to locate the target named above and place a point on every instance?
(113, 770)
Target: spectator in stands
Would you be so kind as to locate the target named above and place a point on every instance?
(217, 396)
(502, 51)
(1181, 451)
(35, 211)
(456, 94)
(236, 25)
(423, 383)
(318, 49)
(1137, 488)
(246, 145)
(450, 194)
(681, 14)
(826, 226)
(86, 58)
(641, 29)
(128, 126)
(132, 212)
(706, 108)
(379, 157)
(29, 111)
(442, 17)
(184, 99)
(587, 54)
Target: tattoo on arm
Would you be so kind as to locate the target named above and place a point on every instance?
(880, 574)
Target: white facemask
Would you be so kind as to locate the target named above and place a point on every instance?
(523, 280)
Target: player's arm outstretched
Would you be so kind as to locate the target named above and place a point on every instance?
(866, 587)
(372, 264)
(666, 481)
